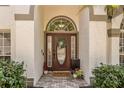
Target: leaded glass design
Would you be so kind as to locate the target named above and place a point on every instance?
(5, 45)
(121, 44)
(49, 51)
(61, 23)
(61, 51)
(73, 47)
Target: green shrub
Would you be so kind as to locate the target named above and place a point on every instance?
(109, 76)
(12, 74)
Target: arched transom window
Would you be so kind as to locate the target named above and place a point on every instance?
(61, 23)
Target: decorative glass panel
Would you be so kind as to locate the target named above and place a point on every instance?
(7, 51)
(73, 47)
(7, 42)
(61, 51)
(5, 45)
(121, 59)
(6, 35)
(1, 51)
(61, 23)
(121, 50)
(5, 57)
(1, 42)
(1, 35)
(49, 51)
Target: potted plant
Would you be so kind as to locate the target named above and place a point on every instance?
(45, 72)
(78, 74)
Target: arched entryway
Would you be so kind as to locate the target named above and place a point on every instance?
(61, 44)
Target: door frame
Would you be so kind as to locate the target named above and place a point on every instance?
(46, 33)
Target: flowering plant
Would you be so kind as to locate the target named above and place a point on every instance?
(78, 74)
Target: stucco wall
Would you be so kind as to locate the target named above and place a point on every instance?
(117, 21)
(97, 44)
(84, 42)
(13, 32)
(115, 40)
(71, 11)
(99, 10)
(38, 42)
(5, 13)
(7, 22)
(115, 50)
(21, 9)
(92, 41)
(30, 42)
(109, 50)
(25, 45)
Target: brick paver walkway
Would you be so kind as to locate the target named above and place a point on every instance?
(49, 81)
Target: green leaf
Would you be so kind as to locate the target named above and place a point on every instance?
(12, 74)
(109, 76)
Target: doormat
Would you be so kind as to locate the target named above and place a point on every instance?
(61, 73)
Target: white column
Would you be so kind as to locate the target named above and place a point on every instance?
(113, 47)
(114, 50)
(25, 45)
(84, 43)
(97, 44)
(38, 43)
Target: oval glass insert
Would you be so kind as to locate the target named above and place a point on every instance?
(61, 51)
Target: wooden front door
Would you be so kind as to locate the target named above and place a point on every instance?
(60, 49)
(61, 54)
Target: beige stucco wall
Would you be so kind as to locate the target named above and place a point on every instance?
(112, 43)
(117, 21)
(109, 50)
(21, 9)
(30, 38)
(92, 41)
(97, 44)
(71, 11)
(5, 13)
(23, 39)
(99, 10)
(115, 50)
(7, 22)
(13, 33)
(84, 42)
(38, 43)
(25, 45)
(115, 40)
